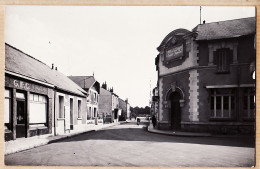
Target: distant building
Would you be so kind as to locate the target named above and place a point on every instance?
(109, 104)
(204, 78)
(92, 87)
(125, 109)
(39, 100)
(155, 103)
(128, 111)
(122, 106)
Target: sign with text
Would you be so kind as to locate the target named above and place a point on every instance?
(19, 84)
(174, 53)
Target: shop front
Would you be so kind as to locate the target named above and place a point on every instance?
(28, 107)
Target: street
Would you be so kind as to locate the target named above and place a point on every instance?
(131, 145)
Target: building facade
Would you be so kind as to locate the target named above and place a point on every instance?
(92, 87)
(109, 104)
(155, 103)
(37, 98)
(124, 106)
(28, 107)
(128, 111)
(204, 78)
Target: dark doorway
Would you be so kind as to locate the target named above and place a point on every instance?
(175, 114)
(21, 119)
(115, 113)
(71, 114)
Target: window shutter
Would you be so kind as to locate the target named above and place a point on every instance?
(215, 55)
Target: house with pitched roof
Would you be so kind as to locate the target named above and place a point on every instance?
(205, 82)
(92, 87)
(125, 109)
(109, 104)
(39, 100)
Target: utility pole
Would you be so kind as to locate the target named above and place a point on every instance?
(200, 14)
(150, 103)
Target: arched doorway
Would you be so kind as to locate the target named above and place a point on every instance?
(175, 110)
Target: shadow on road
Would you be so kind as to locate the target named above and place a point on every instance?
(128, 132)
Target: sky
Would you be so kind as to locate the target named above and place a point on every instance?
(116, 43)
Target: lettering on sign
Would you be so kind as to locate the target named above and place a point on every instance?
(174, 53)
(22, 85)
(18, 84)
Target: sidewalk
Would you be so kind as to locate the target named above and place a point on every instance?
(193, 134)
(177, 133)
(21, 144)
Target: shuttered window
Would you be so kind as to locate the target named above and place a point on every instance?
(223, 59)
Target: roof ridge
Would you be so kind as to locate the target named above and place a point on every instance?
(26, 54)
(225, 21)
(80, 76)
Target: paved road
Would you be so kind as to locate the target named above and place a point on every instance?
(131, 145)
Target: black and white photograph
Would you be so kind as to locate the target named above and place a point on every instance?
(130, 86)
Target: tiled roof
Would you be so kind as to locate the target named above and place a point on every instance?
(84, 82)
(226, 29)
(18, 62)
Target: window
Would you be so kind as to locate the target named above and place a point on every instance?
(89, 113)
(223, 58)
(249, 103)
(61, 107)
(95, 96)
(38, 109)
(7, 106)
(71, 111)
(222, 103)
(95, 112)
(79, 108)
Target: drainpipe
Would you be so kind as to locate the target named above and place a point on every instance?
(54, 111)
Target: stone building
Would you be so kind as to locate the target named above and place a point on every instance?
(109, 104)
(124, 106)
(39, 100)
(204, 78)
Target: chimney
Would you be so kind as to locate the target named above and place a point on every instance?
(111, 90)
(56, 68)
(204, 22)
(52, 66)
(104, 85)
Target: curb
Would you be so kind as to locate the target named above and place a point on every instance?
(63, 137)
(198, 134)
(69, 136)
(179, 134)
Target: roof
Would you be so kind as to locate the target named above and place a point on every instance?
(119, 99)
(83, 81)
(178, 32)
(104, 92)
(21, 63)
(226, 29)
